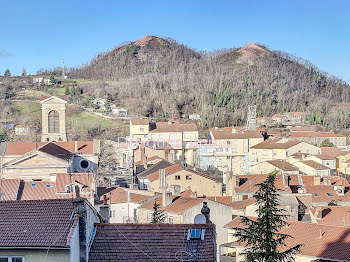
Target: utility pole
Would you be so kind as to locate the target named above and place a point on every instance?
(63, 69)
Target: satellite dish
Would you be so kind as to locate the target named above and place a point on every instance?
(335, 188)
(200, 219)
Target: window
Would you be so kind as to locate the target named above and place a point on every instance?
(186, 136)
(172, 136)
(188, 177)
(54, 122)
(160, 136)
(177, 177)
(195, 233)
(49, 186)
(11, 259)
(315, 194)
(149, 217)
(142, 129)
(112, 213)
(329, 194)
(170, 220)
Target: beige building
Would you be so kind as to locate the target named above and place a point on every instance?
(318, 137)
(269, 166)
(279, 149)
(177, 179)
(342, 158)
(181, 139)
(53, 119)
(37, 161)
(313, 168)
(139, 128)
(232, 148)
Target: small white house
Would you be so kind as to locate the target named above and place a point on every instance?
(22, 130)
(99, 102)
(42, 79)
(119, 111)
(194, 116)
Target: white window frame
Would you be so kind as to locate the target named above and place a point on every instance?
(9, 258)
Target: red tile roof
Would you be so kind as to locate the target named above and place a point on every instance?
(248, 183)
(64, 179)
(314, 164)
(321, 241)
(20, 148)
(334, 151)
(119, 195)
(272, 144)
(334, 215)
(151, 242)
(139, 121)
(174, 127)
(36, 223)
(222, 133)
(9, 189)
(326, 193)
(283, 165)
(315, 134)
(39, 190)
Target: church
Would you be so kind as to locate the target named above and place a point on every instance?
(38, 161)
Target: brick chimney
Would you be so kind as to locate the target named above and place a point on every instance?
(145, 162)
(105, 210)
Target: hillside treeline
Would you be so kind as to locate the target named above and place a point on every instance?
(163, 78)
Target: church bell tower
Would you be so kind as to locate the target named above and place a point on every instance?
(53, 119)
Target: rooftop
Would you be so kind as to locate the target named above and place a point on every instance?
(319, 241)
(36, 223)
(150, 242)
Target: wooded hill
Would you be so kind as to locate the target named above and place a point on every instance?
(159, 77)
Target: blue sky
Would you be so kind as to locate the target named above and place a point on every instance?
(38, 34)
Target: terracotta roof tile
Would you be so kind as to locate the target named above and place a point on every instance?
(315, 134)
(248, 183)
(174, 127)
(9, 189)
(221, 133)
(161, 242)
(39, 190)
(119, 195)
(314, 164)
(20, 148)
(326, 193)
(139, 121)
(271, 144)
(283, 165)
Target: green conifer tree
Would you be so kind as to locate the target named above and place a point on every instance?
(263, 240)
(158, 216)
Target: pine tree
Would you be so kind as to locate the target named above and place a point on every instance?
(158, 216)
(262, 237)
(7, 72)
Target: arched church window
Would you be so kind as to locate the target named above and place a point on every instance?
(54, 122)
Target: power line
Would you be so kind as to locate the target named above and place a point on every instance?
(134, 244)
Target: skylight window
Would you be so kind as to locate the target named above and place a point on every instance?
(49, 186)
(195, 233)
(33, 184)
(329, 194)
(316, 194)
